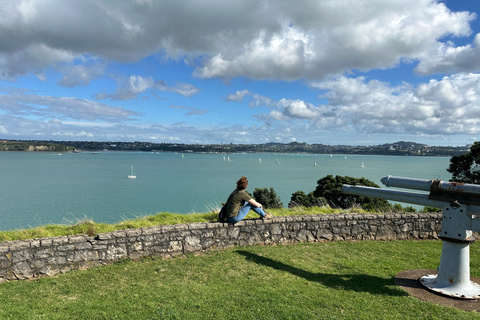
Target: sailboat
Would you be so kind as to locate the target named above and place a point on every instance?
(132, 175)
(363, 165)
(315, 164)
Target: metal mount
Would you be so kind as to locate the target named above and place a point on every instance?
(461, 205)
(453, 278)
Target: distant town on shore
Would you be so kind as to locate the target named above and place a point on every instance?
(400, 148)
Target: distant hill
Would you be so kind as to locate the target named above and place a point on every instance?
(403, 148)
(6, 145)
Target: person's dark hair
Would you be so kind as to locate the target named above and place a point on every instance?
(242, 183)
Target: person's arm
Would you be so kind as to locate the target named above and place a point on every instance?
(255, 203)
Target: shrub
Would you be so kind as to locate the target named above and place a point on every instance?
(268, 198)
(300, 199)
(330, 188)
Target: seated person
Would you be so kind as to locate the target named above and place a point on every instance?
(239, 203)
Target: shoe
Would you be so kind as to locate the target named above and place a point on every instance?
(268, 216)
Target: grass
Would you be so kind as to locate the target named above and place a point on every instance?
(336, 280)
(87, 226)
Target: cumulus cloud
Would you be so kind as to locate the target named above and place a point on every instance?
(237, 96)
(255, 101)
(446, 106)
(447, 58)
(260, 40)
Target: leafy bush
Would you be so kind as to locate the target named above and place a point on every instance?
(300, 199)
(330, 188)
(268, 198)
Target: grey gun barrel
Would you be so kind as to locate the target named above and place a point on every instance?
(394, 195)
(441, 193)
(426, 185)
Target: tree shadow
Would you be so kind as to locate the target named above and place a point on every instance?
(354, 282)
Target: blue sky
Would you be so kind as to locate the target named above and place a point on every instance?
(332, 72)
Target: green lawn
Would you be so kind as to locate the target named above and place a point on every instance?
(336, 280)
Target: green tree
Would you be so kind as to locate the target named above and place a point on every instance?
(301, 199)
(268, 198)
(330, 188)
(466, 167)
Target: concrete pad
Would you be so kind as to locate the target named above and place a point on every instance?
(409, 281)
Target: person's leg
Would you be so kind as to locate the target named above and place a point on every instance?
(258, 211)
(242, 213)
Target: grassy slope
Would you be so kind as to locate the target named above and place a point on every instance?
(92, 228)
(339, 280)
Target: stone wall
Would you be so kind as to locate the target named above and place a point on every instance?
(49, 256)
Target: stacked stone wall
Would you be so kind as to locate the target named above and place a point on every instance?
(49, 256)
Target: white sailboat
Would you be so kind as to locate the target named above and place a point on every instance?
(259, 159)
(363, 165)
(132, 175)
(315, 164)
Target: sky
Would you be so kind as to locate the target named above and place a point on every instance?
(253, 71)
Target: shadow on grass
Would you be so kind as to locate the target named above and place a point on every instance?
(354, 282)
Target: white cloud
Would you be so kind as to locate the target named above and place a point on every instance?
(128, 88)
(260, 40)
(237, 96)
(185, 89)
(256, 100)
(21, 104)
(301, 110)
(447, 58)
(448, 106)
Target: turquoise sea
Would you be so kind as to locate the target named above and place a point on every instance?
(44, 188)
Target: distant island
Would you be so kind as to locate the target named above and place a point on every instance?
(400, 148)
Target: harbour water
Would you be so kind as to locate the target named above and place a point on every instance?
(44, 188)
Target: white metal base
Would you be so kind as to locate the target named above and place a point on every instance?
(453, 277)
(469, 290)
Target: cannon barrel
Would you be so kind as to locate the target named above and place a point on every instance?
(394, 195)
(441, 193)
(428, 185)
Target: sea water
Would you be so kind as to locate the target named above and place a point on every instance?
(45, 188)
